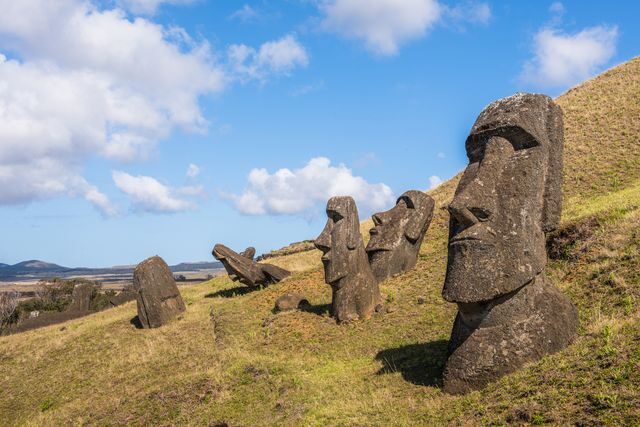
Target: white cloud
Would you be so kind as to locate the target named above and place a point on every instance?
(470, 11)
(148, 7)
(557, 7)
(275, 57)
(100, 201)
(86, 81)
(193, 170)
(245, 13)
(563, 60)
(383, 25)
(441, 155)
(150, 195)
(305, 189)
(434, 181)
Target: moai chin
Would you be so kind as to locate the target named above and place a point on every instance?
(346, 267)
(508, 198)
(242, 268)
(398, 233)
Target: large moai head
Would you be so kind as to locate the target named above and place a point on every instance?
(340, 239)
(398, 233)
(508, 198)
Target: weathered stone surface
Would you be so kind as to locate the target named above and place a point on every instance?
(507, 200)
(291, 301)
(249, 253)
(398, 233)
(346, 266)
(243, 269)
(157, 294)
(81, 297)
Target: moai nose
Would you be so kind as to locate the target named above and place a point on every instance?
(377, 219)
(462, 215)
(323, 241)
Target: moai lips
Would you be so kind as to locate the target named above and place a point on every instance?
(398, 233)
(346, 266)
(241, 267)
(509, 197)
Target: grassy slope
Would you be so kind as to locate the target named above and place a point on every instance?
(229, 359)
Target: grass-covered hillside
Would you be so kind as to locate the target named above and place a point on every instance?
(230, 360)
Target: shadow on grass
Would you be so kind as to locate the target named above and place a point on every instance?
(232, 292)
(135, 321)
(420, 364)
(319, 309)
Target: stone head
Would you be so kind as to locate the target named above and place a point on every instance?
(340, 238)
(398, 233)
(240, 268)
(508, 198)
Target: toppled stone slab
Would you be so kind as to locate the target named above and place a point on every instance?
(243, 269)
(157, 294)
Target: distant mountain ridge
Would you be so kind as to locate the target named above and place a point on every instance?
(39, 268)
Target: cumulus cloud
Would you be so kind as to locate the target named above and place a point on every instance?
(562, 59)
(193, 170)
(84, 81)
(275, 57)
(383, 25)
(305, 189)
(147, 194)
(434, 181)
(245, 13)
(148, 7)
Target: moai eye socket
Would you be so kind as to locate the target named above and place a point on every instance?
(335, 216)
(480, 213)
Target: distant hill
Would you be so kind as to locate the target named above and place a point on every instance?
(31, 267)
(42, 269)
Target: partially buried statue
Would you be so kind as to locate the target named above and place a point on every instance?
(156, 293)
(242, 268)
(507, 200)
(398, 233)
(346, 267)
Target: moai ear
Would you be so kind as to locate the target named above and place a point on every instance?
(420, 219)
(353, 226)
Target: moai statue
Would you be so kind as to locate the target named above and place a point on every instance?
(249, 253)
(81, 297)
(242, 268)
(507, 200)
(346, 267)
(398, 233)
(156, 293)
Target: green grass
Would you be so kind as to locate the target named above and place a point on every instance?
(229, 359)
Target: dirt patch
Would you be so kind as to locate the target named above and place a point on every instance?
(571, 241)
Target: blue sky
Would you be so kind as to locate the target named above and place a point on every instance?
(130, 128)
